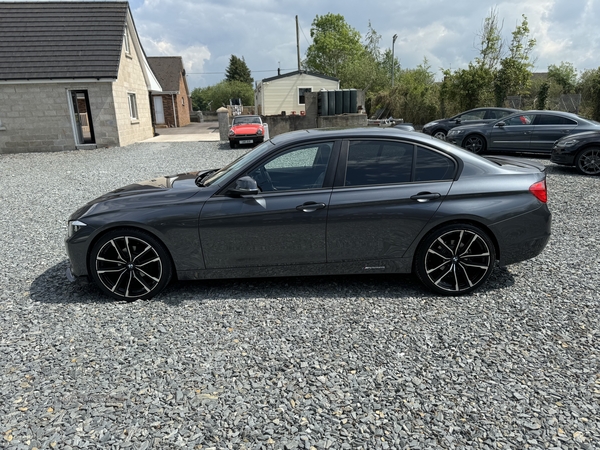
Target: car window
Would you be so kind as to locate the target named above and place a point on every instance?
(549, 119)
(496, 114)
(433, 166)
(378, 162)
(472, 115)
(521, 119)
(240, 120)
(298, 168)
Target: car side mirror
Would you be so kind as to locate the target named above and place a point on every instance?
(500, 124)
(458, 120)
(245, 186)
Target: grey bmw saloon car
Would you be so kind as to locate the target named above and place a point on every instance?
(314, 203)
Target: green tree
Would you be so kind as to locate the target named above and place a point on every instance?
(542, 95)
(336, 45)
(238, 70)
(563, 75)
(589, 86)
(213, 97)
(514, 74)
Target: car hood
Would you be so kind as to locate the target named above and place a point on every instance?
(246, 128)
(582, 135)
(471, 126)
(166, 189)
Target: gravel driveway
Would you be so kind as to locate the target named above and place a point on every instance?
(361, 362)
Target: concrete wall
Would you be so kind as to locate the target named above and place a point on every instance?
(131, 80)
(37, 117)
(282, 94)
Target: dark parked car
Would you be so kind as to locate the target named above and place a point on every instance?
(439, 128)
(525, 131)
(581, 150)
(315, 202)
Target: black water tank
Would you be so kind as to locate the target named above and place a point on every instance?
(331, 103)
(346, 101)
(353, 101)
(339, 102)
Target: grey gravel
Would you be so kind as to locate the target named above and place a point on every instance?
(361, 362)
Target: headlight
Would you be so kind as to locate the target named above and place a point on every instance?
(231, 133)
(567, 143)
(259, 132)
(74, 226)
(430, 124)
(455, 132)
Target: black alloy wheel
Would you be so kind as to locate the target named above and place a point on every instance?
(474, 143)
(455, 259)
(439, 134)
(130, 264)
(587, 161)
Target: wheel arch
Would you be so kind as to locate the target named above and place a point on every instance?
(467, 221)
(142, 229)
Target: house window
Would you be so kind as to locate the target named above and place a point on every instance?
(126, 42)
(133, 113)
(301, 92)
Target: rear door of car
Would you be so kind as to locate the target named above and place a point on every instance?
(548, 129)
(514, 133)
(285, 223)
(385, 192)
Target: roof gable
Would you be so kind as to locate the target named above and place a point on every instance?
(168, 71)
(61, 40)
(299, 72)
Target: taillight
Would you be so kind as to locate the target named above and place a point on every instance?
(539, 190)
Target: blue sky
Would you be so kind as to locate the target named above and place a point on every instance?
(207, 32)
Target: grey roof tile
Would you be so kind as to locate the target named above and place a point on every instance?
(54, 40)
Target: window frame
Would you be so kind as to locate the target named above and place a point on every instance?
(304, 95)
(133, 109)
(126, 41)
(340, 176)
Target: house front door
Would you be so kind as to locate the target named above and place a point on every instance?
(159, 112)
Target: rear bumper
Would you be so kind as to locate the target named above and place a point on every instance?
(523, 237)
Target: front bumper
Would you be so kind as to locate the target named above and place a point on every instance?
(559, 156)
(247, 139)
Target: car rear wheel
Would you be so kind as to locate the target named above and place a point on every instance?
(587, 161)
(129, 264)
(455, 259)
(439, 134)
(474, 143)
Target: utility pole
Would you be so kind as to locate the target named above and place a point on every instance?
(298, 43)
(393, 60)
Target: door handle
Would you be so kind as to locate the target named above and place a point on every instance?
(565, 131)
(422, 197)
(310, 206)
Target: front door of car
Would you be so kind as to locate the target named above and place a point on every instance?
(514, 134)
(548, 129)
(381, 202)
(284, 224)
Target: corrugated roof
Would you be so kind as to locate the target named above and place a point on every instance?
(54, 40)
(167, 69)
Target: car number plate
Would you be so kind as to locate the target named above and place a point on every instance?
(246, 141)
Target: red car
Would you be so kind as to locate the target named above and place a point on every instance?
(246, 130)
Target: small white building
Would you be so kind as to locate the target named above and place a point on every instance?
(286, 92)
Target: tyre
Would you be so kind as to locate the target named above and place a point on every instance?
(439, 134)
(232, 144)
(129, 264)
(474, 143)
(455, 259)
(587, 162)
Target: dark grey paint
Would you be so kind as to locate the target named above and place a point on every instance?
(331, 230)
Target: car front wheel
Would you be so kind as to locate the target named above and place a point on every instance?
(474, 143)
(455, 259)
(129, 264)
(588, 161)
